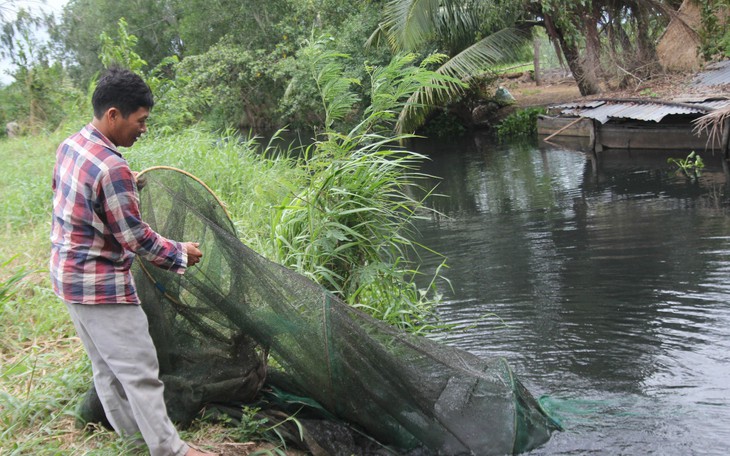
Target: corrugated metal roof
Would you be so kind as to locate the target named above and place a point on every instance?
(581, 104)
(715, 74)
(605, 110)
(716, 104)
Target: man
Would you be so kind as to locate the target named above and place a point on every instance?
(96, 232)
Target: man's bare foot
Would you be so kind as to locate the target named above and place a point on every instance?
(196, 452)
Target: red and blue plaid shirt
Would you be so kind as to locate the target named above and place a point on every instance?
(97, 228)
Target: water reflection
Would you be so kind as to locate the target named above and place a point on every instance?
(601, 280)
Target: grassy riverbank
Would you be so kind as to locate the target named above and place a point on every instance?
(44, 367)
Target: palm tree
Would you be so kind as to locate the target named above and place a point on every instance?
(455, 26)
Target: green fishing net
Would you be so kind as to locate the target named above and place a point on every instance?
(215, 327)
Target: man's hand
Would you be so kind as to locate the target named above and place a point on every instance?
(140, 181)
(194, 254)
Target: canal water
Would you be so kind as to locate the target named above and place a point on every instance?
(604, 282)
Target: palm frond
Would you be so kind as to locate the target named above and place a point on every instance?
(714, 124)
(500, 47)
(390, 88)
(408, 23)
(378, 36)
(459, 22)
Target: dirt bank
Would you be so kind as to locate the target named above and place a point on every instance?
(562, 89)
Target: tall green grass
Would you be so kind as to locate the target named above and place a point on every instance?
(349, 228)
(43, 369)
(249, 177)
(25, 185)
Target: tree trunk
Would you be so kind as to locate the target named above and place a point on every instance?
(32, 102)
(618, 38)
(648, 62)
(536, 60)
(586, 84)
(592, 63)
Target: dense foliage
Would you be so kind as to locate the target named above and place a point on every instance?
(238, 59)
(520, 124)
(715, 33)
(240, 63)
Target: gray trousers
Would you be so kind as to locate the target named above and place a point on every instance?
(126, 373)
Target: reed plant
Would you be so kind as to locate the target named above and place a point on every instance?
(350, 227)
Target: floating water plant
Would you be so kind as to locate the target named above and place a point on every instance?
(691, 166)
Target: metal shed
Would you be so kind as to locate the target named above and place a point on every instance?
(646, 123)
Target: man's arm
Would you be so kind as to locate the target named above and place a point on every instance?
(121, 209)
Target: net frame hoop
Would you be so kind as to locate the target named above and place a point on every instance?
(205, 186)
(195, 178)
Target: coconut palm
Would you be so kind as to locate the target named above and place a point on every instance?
(476, 34)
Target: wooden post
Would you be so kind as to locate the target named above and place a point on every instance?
(597, 144)
(592, 137)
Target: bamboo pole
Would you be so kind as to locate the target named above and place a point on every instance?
(563, 129)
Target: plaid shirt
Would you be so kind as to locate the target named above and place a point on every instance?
(96, 228)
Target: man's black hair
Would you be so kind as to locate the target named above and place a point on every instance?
(122, 89)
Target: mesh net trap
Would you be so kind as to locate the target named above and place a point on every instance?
(222, 327)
